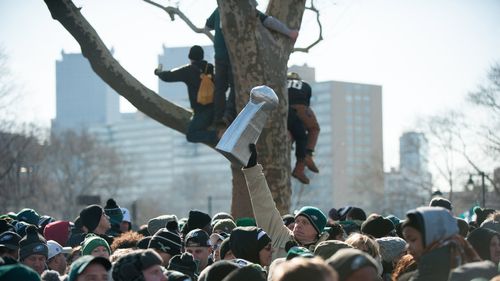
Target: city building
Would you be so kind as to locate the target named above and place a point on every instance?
(82, 98)
(410, 186)
(349, 152)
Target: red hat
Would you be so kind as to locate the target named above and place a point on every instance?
(57, 231)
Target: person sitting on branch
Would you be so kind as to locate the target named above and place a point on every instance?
(191, 75)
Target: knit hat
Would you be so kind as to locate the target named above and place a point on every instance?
(220, 269)
(18, 271)
(10, 240)
(225, 247)
(79, 265)
(184, 263)
(155, 224)
(56, 248)
(343, 212)
(246, 221)
(356, 213)
(196, 219)
(44, 220)
(57, 231)
(348, 261)
(91, 216)
(441, 202)
(144, 242)
(28, 215)
(391, 248)
(220, 216)
(246, 242)
(482, 214)
(91, 242)
(247, 273)
(288, 219)
(33, 243)
(298, 252)
(196, 53)
(126, 215)
(20, 228)
(114, 212)
(315, 217)
(328, 248)
(174, 275)
(5, 226)
(377, 226)
(480, 239)
(224, 225)
(130, 266)
(493, 225)
(50, 275)
(333, 214)
(166, 241)
(197, 238)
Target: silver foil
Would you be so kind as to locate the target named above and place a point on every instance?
(248, 125)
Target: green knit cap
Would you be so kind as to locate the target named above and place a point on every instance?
(315, 217)
(246, 221)
(91, 242)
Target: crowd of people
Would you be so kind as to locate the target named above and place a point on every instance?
(102, 243)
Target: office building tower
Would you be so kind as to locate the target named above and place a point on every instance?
(83, 99)
(349, 152)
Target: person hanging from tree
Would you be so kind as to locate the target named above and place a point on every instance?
(299, 100)
(225, 110)
(191, 75)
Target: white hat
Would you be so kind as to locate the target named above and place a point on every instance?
(56, 248)
(126, 215)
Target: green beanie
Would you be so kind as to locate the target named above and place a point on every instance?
(91, 242)
(28, 215)
(315, 217)
(246, 221)
(114, 212)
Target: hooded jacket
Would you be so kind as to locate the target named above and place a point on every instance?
(442, 244)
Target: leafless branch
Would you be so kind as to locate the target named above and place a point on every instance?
(172, 11)
(320, 35)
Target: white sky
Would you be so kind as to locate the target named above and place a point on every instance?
(426, 54)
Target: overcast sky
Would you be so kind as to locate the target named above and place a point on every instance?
(426, 54)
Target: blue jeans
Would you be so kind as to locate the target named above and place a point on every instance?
(223, 81)
(197, 130)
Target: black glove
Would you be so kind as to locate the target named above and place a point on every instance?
(253, 157)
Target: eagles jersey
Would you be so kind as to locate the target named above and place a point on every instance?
(299, 92)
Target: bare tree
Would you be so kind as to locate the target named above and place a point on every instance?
(258, 57)
(21, 181)
(487, 97)
(80, 165)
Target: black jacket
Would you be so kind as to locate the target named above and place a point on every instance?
(190, 75)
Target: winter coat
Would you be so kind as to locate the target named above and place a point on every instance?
(267, 215)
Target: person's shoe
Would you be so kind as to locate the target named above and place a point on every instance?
(310, 164)
(298, 172)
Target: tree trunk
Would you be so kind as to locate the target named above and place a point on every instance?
(259, 57)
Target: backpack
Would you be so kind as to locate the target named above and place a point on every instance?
(206, 91)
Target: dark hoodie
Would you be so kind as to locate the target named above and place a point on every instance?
(246, 242)
(480, 239)
(190, 75)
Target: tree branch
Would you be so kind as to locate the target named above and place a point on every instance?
(112, 72)
(320, 35)
(172, 11)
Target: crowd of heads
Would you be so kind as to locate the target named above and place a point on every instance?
(103, 244)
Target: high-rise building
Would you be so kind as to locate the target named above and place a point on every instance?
(413, 153)
(349, 151)
(410, 186)
(82, 98)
